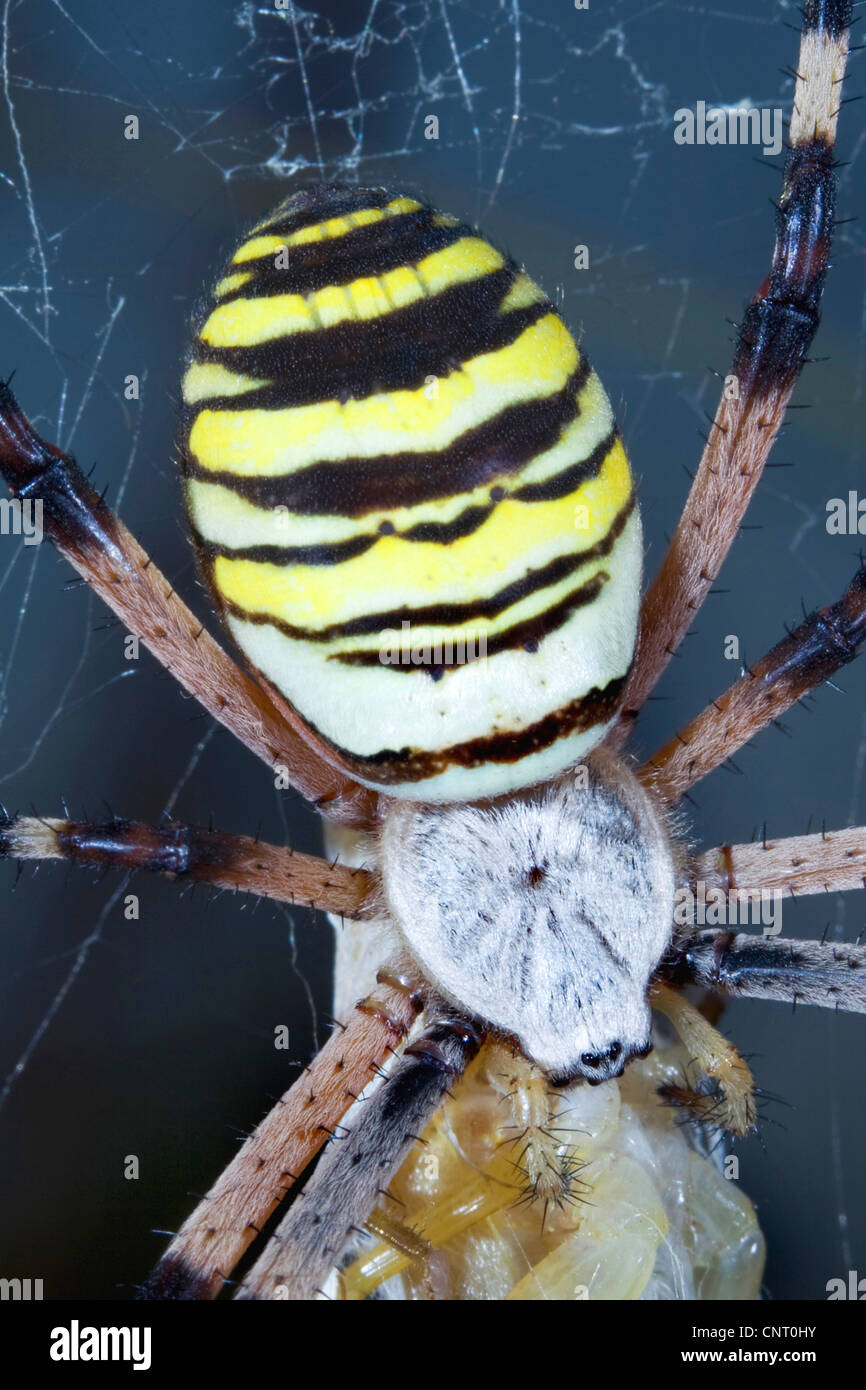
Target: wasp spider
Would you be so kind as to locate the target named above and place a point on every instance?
(414, 511)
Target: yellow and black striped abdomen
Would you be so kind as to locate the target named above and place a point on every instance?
(410, 497)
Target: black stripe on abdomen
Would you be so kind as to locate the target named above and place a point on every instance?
(319, 202)
(598, 706)
(395, 352)
(442, 614)
(366, 252)
(529, 633)
(424, 533)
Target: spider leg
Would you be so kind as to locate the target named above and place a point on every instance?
(408, 1245)
(734, 1109)
(343, 1190)
(198, 855)
(827, 973)
(827, 640)
(829, 862)
(772, 344)
(212, 1240)
(536, 1160)
(105, 553)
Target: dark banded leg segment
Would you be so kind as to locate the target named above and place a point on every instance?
(112, 562)
(234, 862)
(827, 973)
(813, 652)
(772, 345)
(345, 1187)
(211, 1241)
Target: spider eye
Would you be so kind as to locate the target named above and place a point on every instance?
(603, 1065)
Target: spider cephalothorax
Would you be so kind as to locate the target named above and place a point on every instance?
(543, 914)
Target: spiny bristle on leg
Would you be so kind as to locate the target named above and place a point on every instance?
(702, 1103)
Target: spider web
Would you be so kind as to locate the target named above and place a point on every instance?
(154, 1037)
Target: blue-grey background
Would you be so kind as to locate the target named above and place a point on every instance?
(155, 1037)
